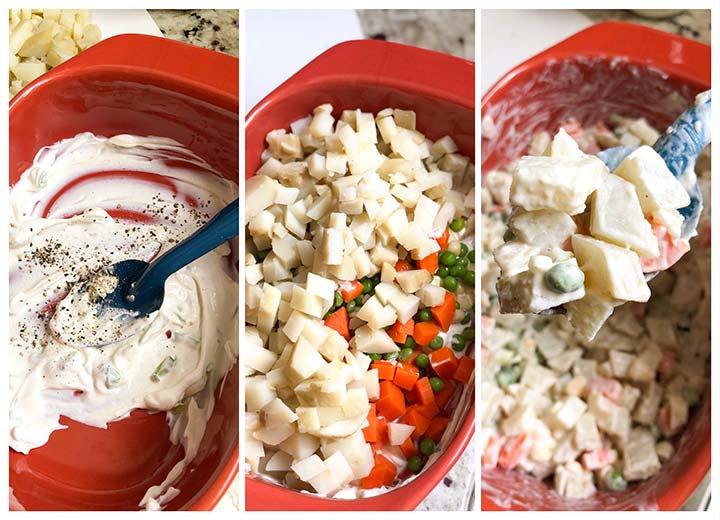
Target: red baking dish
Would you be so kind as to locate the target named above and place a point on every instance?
(145, 86)
(371, 75)
(609, 68)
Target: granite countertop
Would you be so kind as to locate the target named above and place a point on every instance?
(694, 24)
(215, 29)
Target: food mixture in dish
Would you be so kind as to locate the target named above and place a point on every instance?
(580, 238)
(74, 212)
(593, 414)
(359, 302)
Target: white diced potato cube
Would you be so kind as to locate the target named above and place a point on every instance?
(542, 228)
(267, 310)
(307, 303)
(425, 212)
(308, 468)
(300, 445)
(656, 186)
(399, 432)
(616, 217)
(304, 361)
(671, 219)
(414, 280)
(611, 270)
(589, 313)
(566, 413)
(564, 146)
(644, 366)
(295, 324)
(253, 274)
(280, 461)
(258, 393)
(555, 183)
(640, 458)
(514, 257)
(277, 413)
(260, 192)
(432, 295)
(257, 357)
(527, 292)
(261, 224)
(373, 341)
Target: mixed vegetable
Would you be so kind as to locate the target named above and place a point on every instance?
(596, 413)
(359, 300)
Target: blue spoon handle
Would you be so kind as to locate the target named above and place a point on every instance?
(222, 227)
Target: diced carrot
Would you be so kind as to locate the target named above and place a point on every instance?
(423, 391)
(382, 435)
(429, 410)
(406, 375)
(399, 332)
(437, 427)
(610, 388)
(429, 263)
(597, 459)
(671, 249)
(424, 333)
(443, 239)
(382, 474)
(667, 363)
(445, 312)
(444, 395)
(491, 453)
(418, 420)
(410, 396)
(350, 290)
(386, 370)
(514, 450)
(391, 404)
(403, 265)
(464, 371)
(408, 447)
(663, 418)
(370, 432)
(339, 322)
(444, 362)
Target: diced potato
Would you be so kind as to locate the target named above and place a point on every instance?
(542, 228)
(398, 433)
(616, 217)
(589, 313)
(656, 186)
(304, 361)
(610, 270)
(414, 280)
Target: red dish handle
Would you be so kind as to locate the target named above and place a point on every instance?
(401, 66)
(178, 62)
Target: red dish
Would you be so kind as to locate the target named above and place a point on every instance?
(370, 75)
(610, 68)
(145, 86)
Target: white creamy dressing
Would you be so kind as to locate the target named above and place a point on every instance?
(180, 353)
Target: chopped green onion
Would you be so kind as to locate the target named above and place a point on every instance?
(616, 481)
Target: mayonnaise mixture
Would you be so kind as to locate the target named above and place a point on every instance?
(180, 353)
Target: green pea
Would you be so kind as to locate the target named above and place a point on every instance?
(338, 301)
(367, 285)
(424, 315)
(564, 278)
(457, 305)
(375, 357)
(405, 354)
(375, 279)
(464, 249)
(616, 481)
(327, 314)
(468, 333)
(463, 261)
(450, 283)
(508, 375)
(422, 361)
(458, 347)
(457, 271)
(260, 255)
(466, 319)
(436, 384)
(415, 464)
(422, 372)
(442, 271)
(390, 355)
(410, 343)
(436, 343)
(471, 256)
(350, 306)
(469, 278)
(457, 224)
(447, 258)
(427, 446)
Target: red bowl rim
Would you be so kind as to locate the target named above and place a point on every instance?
(593, 41)
(336, 66)
(137, 55)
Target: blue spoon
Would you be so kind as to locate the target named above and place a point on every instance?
(679, 147)
(140, 286)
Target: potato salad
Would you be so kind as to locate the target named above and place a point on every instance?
(581, 238)
(360, 279)
(588, 404)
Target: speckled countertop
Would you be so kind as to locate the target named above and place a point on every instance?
(693, 24)
(215, 29)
